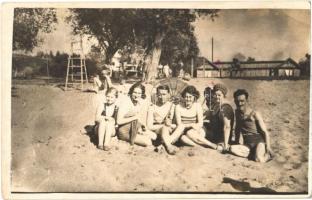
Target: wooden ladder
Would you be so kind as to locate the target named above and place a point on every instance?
(76, 66)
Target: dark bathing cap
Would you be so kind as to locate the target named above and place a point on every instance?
(220, 87)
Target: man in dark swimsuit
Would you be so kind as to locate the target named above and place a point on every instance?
(249, 124)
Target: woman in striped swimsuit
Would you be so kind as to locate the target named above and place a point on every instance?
(189, 119)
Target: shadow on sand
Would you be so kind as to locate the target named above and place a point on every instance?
(90, 131)
(245, 187)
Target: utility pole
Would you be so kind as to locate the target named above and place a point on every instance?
(48, 69)
(212, 49)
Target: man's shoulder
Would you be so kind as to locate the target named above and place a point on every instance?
(255, 113)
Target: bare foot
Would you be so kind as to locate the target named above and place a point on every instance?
(171, 150)
(106, 148)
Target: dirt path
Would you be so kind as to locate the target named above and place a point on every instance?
(53, 148)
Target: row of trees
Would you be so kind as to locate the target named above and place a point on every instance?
(46, 64)
(163, 35)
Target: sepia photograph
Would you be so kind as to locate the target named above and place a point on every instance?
(155, 99)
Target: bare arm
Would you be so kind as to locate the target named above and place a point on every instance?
(98, 113)
(178, 114)
(109, 81)
(200, 117)
(226, 131)
(263, 130)
(121, 119)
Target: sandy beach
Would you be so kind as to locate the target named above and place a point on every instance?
(54, 150)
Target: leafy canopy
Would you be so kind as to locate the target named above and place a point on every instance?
(28, 22)
(149, 28)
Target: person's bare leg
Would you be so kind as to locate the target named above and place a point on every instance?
(240, 150)
(176, 134)
(101, 133)
(199, 139)
(151, 134)
(261, 154)
(142, 140)
(187, 141)
(165, 136)
(109, 131)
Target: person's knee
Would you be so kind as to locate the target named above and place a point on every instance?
(260, 153)
(185, 139)
(240, 150)
(192, 133)
(145, 142)
(102, 122)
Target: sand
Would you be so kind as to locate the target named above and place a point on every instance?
(53, 146)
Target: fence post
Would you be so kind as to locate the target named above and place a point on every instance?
(192, 68)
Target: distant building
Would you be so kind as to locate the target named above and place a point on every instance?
(249, 69)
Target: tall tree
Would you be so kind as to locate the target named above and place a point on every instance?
(151, 28)
(155, 25)
(111, 27)
(28, 22)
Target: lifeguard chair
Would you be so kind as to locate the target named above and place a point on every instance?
(76, 65)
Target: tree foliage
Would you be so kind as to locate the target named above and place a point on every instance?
(111, 27)
(28, 22)
(155, 30)
(304, 65)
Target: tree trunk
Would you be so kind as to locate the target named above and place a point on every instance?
(154, 57)
(109, 52)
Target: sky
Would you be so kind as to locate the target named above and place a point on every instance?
(261, 34)
(267, 34)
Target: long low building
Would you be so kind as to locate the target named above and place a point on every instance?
(250, 69)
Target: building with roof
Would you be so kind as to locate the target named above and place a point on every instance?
(249, 69)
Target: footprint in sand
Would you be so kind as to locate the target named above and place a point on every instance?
(296, 165)
(288, 166)
(281, 159)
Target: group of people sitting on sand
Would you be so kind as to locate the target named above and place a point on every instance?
(215, 125)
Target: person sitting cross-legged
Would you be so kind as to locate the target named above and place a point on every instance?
(189, 119)
(160, 115)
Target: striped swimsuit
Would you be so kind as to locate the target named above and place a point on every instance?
(188, 119)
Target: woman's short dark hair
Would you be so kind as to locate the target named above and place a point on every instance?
(163, 87)
(137, 85)
(191, 90)
(240, 92)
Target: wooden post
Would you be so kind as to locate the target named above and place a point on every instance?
(212, 49)
(67, 73)
(81, 73)
(204, 69)
(192, 68)
(48, 70)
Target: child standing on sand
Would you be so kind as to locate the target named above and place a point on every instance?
(105, 119)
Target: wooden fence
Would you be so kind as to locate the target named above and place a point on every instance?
(260, 72)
